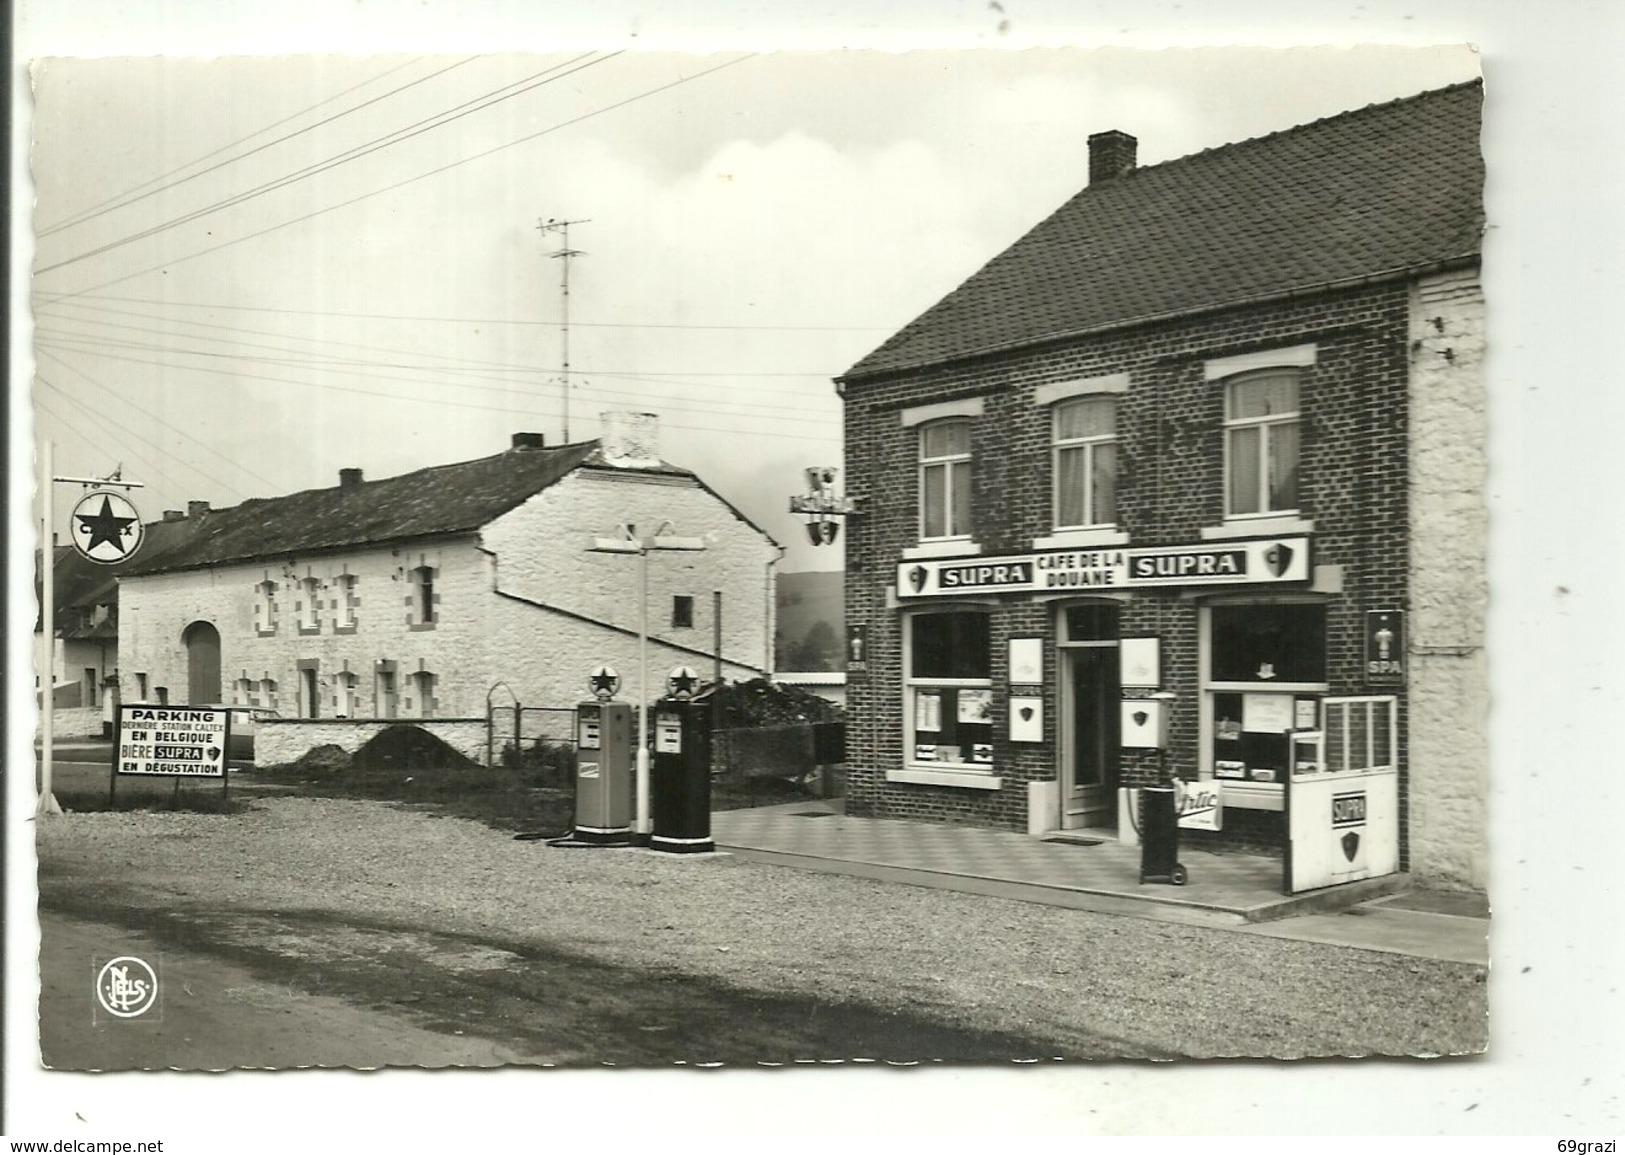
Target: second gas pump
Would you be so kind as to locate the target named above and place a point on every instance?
(680, 779)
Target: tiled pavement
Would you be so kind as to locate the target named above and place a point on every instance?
(1220, 888)
(1237, 891)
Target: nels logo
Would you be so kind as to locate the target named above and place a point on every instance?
(127, 987)
(917, 577)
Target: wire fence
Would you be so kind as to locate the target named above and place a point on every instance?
(751, 759)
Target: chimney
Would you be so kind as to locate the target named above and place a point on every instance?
(196, 508)
(174, 515)
(529, 440)
(630, 440)
(1111, 154)
(349, 478)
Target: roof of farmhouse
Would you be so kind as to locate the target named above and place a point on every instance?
(1379, 192)
(439, 500)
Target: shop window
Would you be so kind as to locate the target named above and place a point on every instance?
(948, 690)
(1269, 643)
(945, 479)
(682, 612)
(1085, 446)
(1261, 438)
(1266, 677)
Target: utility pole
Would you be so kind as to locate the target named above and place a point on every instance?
(564, 254)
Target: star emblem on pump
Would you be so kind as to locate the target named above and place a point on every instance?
(682, 682)
(604, 682)
(105, 527)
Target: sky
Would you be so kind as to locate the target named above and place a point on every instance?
(253, 272)
(881, 196)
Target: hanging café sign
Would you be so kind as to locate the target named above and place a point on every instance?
(1269, 560)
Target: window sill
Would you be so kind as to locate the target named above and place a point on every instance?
(944, 776)
(1257, 527)
(1242, 795)
(1082, 538)
(953, 547)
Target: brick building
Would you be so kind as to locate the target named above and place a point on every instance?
(412, 597)
(1214, 430)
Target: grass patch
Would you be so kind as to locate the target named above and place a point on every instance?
(502, 797)
(192, 798)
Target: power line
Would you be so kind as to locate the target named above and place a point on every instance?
(131, 198)
(801, 434)
(487, 320)
(365, 368)
(119, 436)
(156, 418)
(439, 120)
(402, 183)
(453, 364)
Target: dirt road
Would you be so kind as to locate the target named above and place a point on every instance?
(421, 927)
(214, 1014)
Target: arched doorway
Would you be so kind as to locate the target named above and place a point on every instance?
(202, 664)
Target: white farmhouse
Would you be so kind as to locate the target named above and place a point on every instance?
(428, 595)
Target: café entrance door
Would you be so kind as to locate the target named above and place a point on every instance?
(1090, 716)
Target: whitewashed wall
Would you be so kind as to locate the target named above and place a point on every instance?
(1448, 677)
(523, 603)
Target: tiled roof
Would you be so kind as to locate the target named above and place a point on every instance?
(82, 584)
(442, 499)
(1374, 192)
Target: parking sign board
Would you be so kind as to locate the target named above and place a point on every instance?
(172, 741)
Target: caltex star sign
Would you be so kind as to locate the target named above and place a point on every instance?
(105, 527)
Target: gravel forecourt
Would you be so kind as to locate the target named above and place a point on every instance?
(1081, 985)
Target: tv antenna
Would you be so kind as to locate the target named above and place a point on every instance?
(563, 255)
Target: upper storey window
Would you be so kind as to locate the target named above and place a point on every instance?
(1261, 442)
(945, 479)
(1085, 438)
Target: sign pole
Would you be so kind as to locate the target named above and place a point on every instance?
(47, 800)
(643, 824)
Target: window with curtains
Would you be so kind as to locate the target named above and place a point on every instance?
(1085, 440)
(945, 479)
(1261, 434)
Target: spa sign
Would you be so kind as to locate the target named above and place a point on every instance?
(1385, 647)
(1264, 561)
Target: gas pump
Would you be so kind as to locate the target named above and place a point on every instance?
(680, 782)
(603, 773)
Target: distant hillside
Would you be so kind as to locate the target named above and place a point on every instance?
(811, 622)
